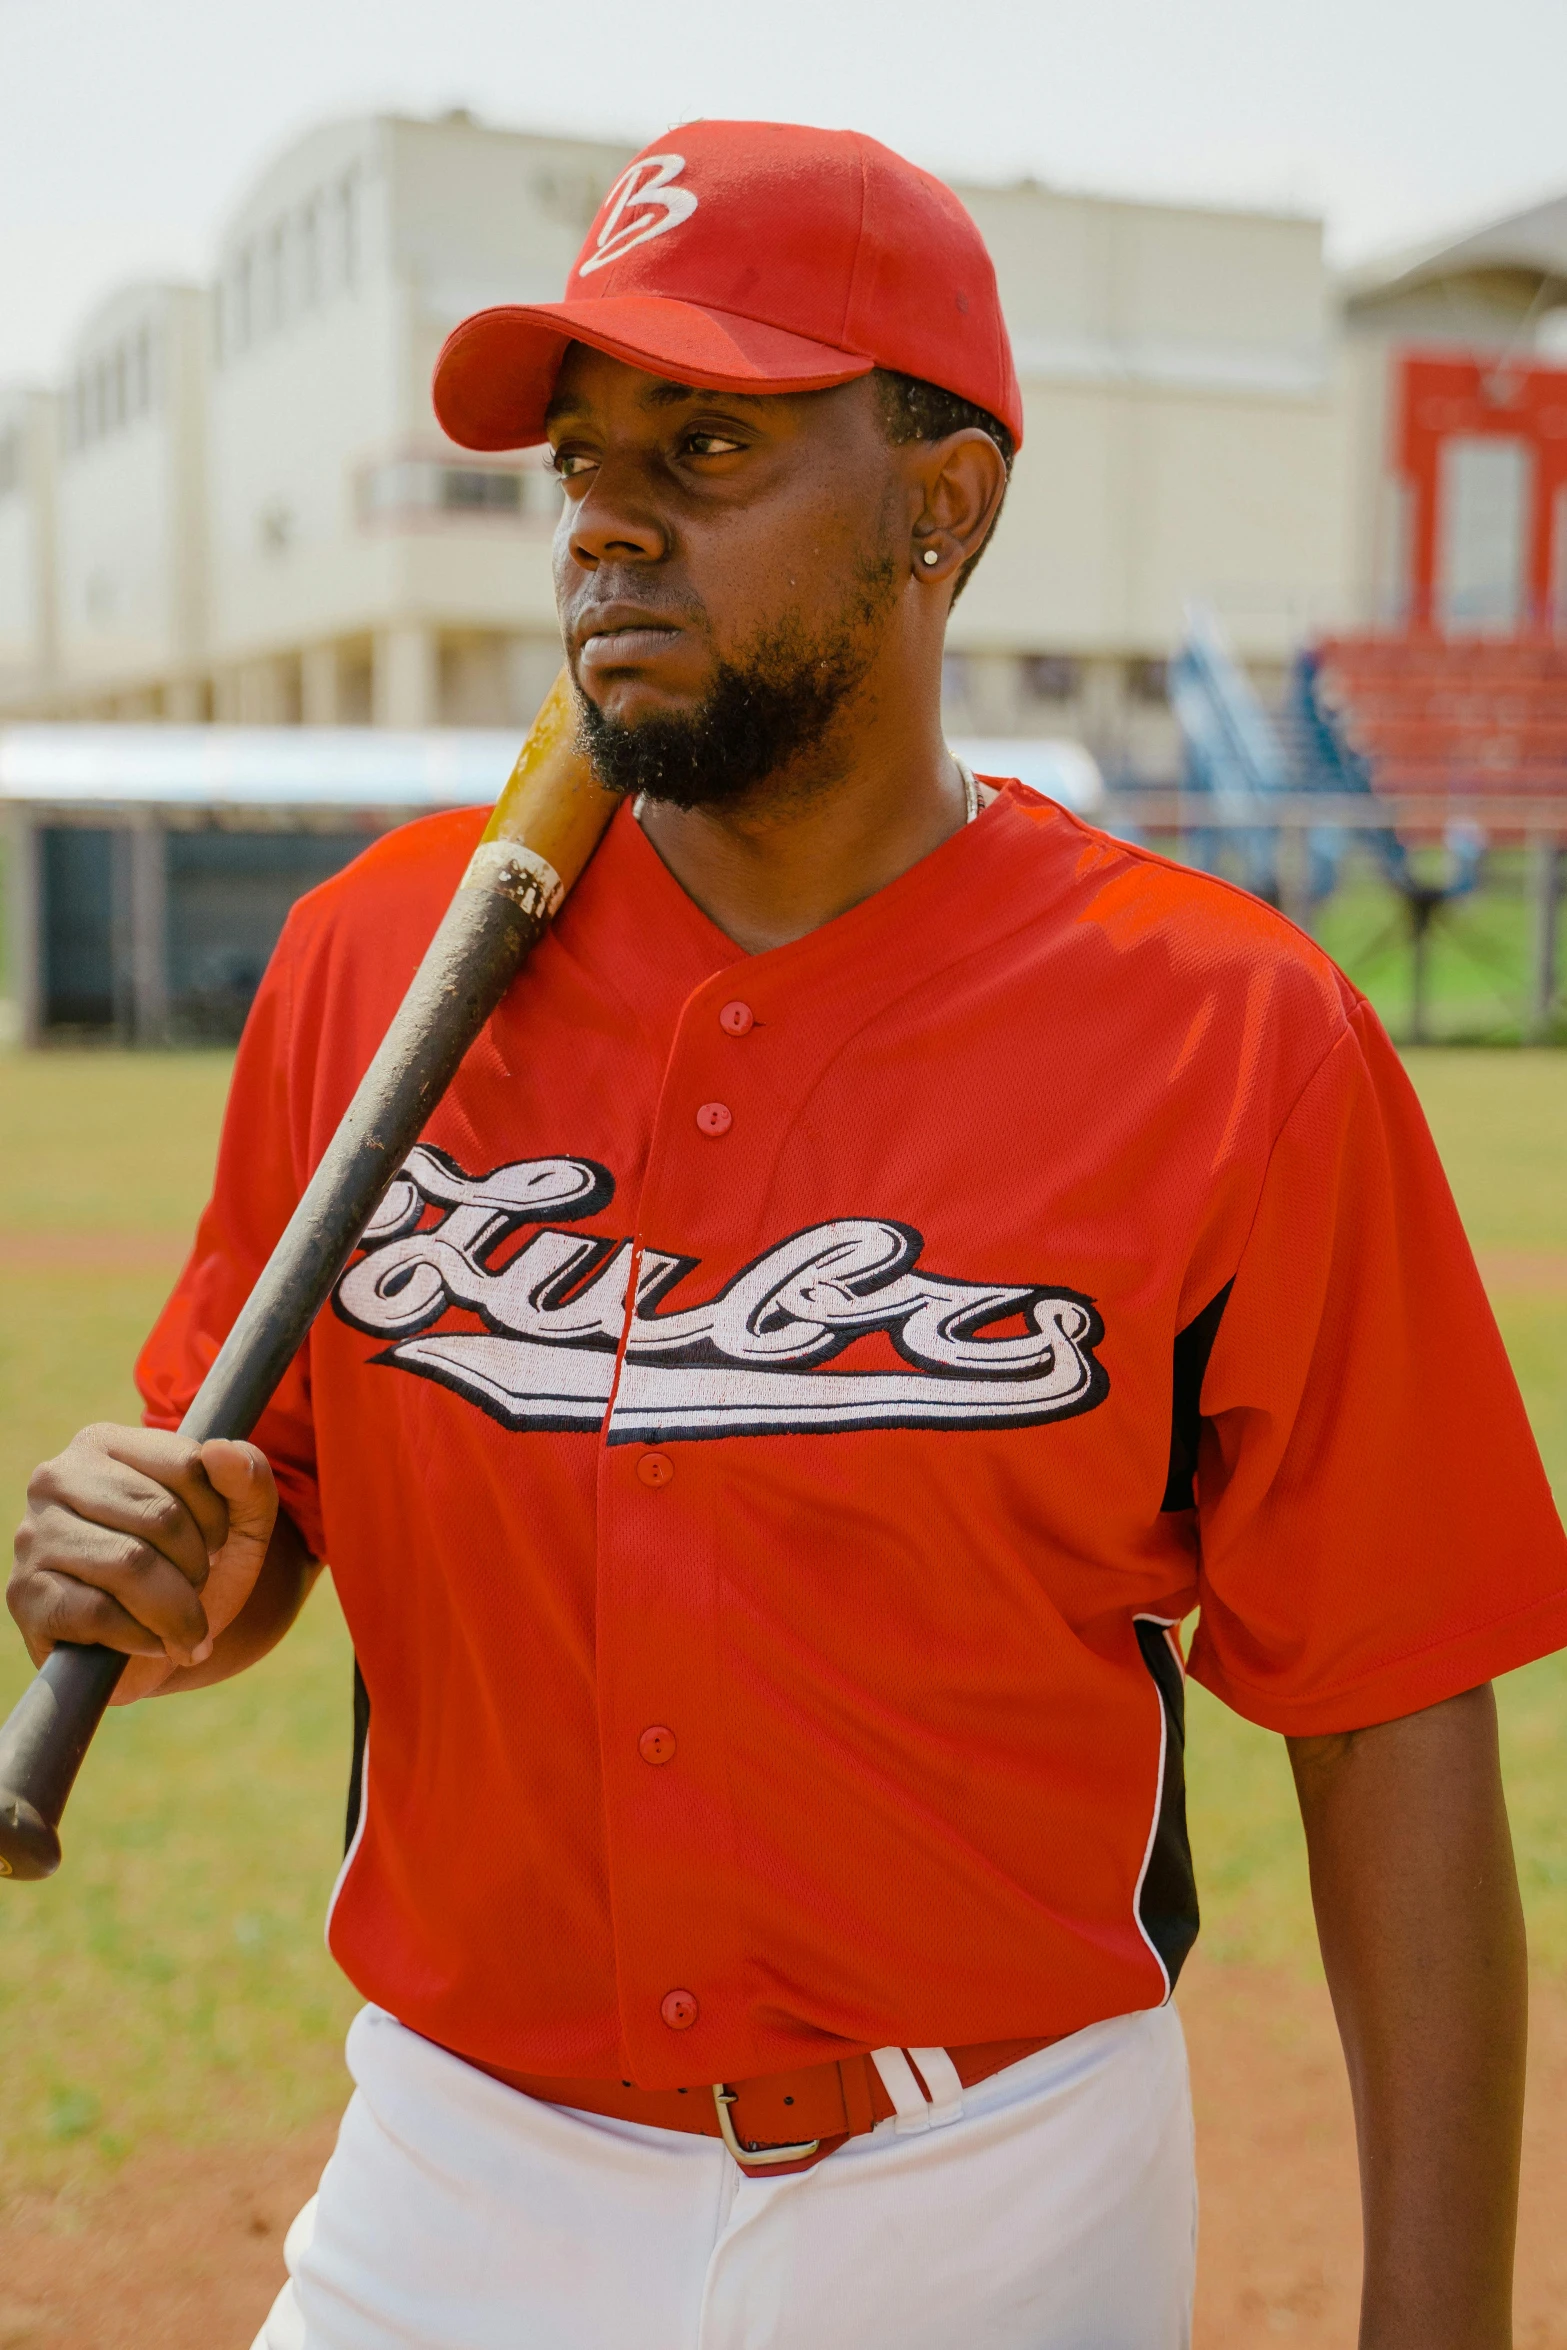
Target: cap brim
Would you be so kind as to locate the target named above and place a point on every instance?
(496, 371)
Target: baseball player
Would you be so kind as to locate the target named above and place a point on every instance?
(893, 1256)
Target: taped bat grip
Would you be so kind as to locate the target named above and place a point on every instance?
(491, 924)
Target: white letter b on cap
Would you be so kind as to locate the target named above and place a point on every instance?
(642, 204)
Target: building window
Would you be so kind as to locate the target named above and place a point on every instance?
(471, 489)
(423, 486)
(274, 263)
(1148, 681)
(348, 230)
(310, 255)
(112, 390)
(241, 282)
(954, 678)
(1051, 677)
(141, 373)
(297, 264)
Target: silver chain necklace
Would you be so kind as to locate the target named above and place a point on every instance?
(970, 796)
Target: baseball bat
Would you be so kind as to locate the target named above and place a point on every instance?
(545, 827)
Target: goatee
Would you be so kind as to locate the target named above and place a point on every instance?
(760, 717)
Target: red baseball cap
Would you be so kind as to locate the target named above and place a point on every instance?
(752, 257)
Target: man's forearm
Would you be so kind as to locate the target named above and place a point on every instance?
(1422, 1937)
(281, 1589)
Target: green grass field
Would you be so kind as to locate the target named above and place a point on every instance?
(1479, 954)
(1480, 949)
(171, 1981)
(1500, 1120)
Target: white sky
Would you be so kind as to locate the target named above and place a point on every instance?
(128, 128)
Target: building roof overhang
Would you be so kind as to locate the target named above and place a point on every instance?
(254, 766)
(1531, 242)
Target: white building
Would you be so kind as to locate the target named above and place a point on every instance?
(361, 567)
(271, 527)
(130, 506)
(28, 633)
(1185, 438)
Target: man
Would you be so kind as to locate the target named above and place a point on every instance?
(892, 1256)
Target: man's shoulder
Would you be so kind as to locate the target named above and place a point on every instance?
(1148, 910)
(401, 883)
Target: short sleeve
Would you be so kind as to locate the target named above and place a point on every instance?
(254, 1194)
(1376, 1528)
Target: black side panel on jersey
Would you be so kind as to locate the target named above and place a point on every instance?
(1167, 1901)
(356, 1769)
(1193, 1346)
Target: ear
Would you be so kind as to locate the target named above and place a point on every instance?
(961, 482)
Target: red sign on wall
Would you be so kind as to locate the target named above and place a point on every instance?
(1482, 445)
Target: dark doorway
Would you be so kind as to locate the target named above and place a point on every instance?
(77, 873)
(229, 894)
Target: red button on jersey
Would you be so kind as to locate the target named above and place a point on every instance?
(715, 1118)
(737, 1019)
(655, 1468)
(679, 2010)
(657, 1745)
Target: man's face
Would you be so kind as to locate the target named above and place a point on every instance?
(726, 570)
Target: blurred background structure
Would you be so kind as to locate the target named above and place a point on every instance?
(1274, 534)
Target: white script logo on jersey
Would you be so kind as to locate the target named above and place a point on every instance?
(642, 203)
(748, 1362)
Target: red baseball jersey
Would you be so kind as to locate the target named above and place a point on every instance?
(786, 1403)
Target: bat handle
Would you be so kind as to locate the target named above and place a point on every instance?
(42, 1749)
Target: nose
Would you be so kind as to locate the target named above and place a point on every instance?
(615, 521)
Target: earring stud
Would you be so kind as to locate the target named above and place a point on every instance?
(931, 555)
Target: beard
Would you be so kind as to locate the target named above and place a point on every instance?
(763, 713)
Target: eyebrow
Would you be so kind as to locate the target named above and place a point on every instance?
(662, 394)
(665, 394)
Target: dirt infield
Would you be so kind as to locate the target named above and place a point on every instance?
(185, 2249)
(92, 1252)
(1280, 2233)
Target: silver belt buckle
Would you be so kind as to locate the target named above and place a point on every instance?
(753, 2157)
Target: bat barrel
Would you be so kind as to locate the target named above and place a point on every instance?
(507, 897)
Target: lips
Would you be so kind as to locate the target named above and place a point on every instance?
(623, 632)
(626, 646)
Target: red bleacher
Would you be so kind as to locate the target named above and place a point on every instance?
(1471, 719)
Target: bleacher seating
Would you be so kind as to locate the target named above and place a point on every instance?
(1472, 719)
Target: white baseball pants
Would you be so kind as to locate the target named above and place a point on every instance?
(1056, 2210)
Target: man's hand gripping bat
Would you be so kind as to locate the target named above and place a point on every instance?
(544, 829)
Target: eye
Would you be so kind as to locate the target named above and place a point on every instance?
(711, 444)
(569, 464)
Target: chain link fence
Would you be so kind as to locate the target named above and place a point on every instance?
(1470, 953)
